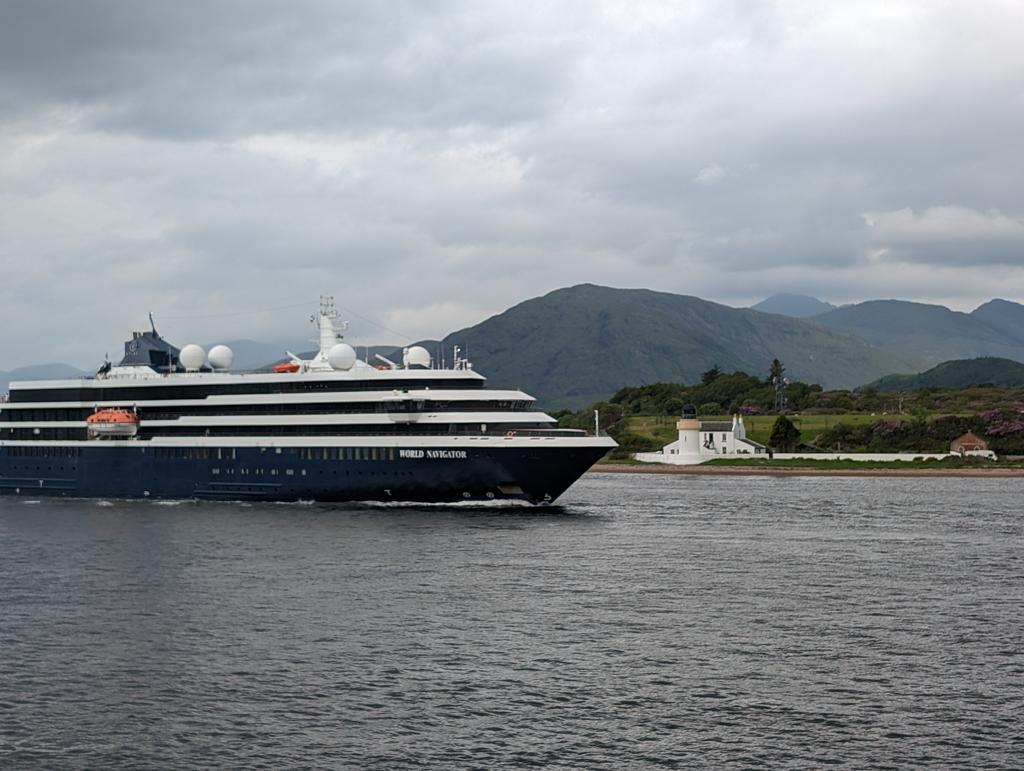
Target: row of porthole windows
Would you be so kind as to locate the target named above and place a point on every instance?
(221, 453)
(257, 471)
(27, 467)
(302, 472)
(39, 452)
(306, 453)
(347, 453)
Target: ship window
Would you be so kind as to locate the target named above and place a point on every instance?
(215, 471)
(373, 453)
(290, 472)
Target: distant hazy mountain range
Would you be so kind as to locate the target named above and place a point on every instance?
(249, 354)
(933, 332)
(799, 306)
(38, 372)
(579, 344)
(1002, 373)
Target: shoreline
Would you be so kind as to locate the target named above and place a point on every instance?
(615, 468)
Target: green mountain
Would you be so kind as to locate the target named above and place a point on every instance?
(1002, 373)
(577, 345)
(799, 306)
(932, 332)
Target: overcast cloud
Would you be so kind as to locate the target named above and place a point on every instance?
(432, 164)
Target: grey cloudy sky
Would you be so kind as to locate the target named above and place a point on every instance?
(433, 163)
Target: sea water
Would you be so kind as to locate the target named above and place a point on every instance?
(646, 622)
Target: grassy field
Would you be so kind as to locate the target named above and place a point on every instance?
(662, 428)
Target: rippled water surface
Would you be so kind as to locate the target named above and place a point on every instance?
(649, 622)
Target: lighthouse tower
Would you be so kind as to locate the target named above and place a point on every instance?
(688, 445)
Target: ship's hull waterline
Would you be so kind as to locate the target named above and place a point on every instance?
(536, 475)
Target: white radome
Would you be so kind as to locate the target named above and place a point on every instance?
(342, 356)
(192, 357)
(221, 357)
(417, 356)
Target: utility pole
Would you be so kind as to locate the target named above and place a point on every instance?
(597, 423)
(780, 384)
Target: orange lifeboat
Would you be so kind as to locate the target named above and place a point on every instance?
(286, 366)
(113, 422)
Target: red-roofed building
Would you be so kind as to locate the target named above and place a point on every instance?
(968, 443)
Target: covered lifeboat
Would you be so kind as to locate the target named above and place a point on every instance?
(112, 423)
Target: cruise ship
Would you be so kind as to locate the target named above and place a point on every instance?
(166, 423)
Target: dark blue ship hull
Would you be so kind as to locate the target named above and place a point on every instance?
(106, 470)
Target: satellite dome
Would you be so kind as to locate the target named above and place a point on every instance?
(342, 356)
(221, 357)
(192, 357)
(417, 356)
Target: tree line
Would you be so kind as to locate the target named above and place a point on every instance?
(997, 415)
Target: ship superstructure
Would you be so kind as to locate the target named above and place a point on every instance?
(170, 423)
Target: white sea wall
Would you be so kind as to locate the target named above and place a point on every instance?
(682, 460)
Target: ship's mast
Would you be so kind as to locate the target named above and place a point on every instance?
(330, 332)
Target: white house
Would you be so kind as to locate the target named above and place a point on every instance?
(701, 440)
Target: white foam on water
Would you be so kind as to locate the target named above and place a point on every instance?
(508, 503)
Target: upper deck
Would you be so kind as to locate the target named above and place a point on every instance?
(199, 385)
